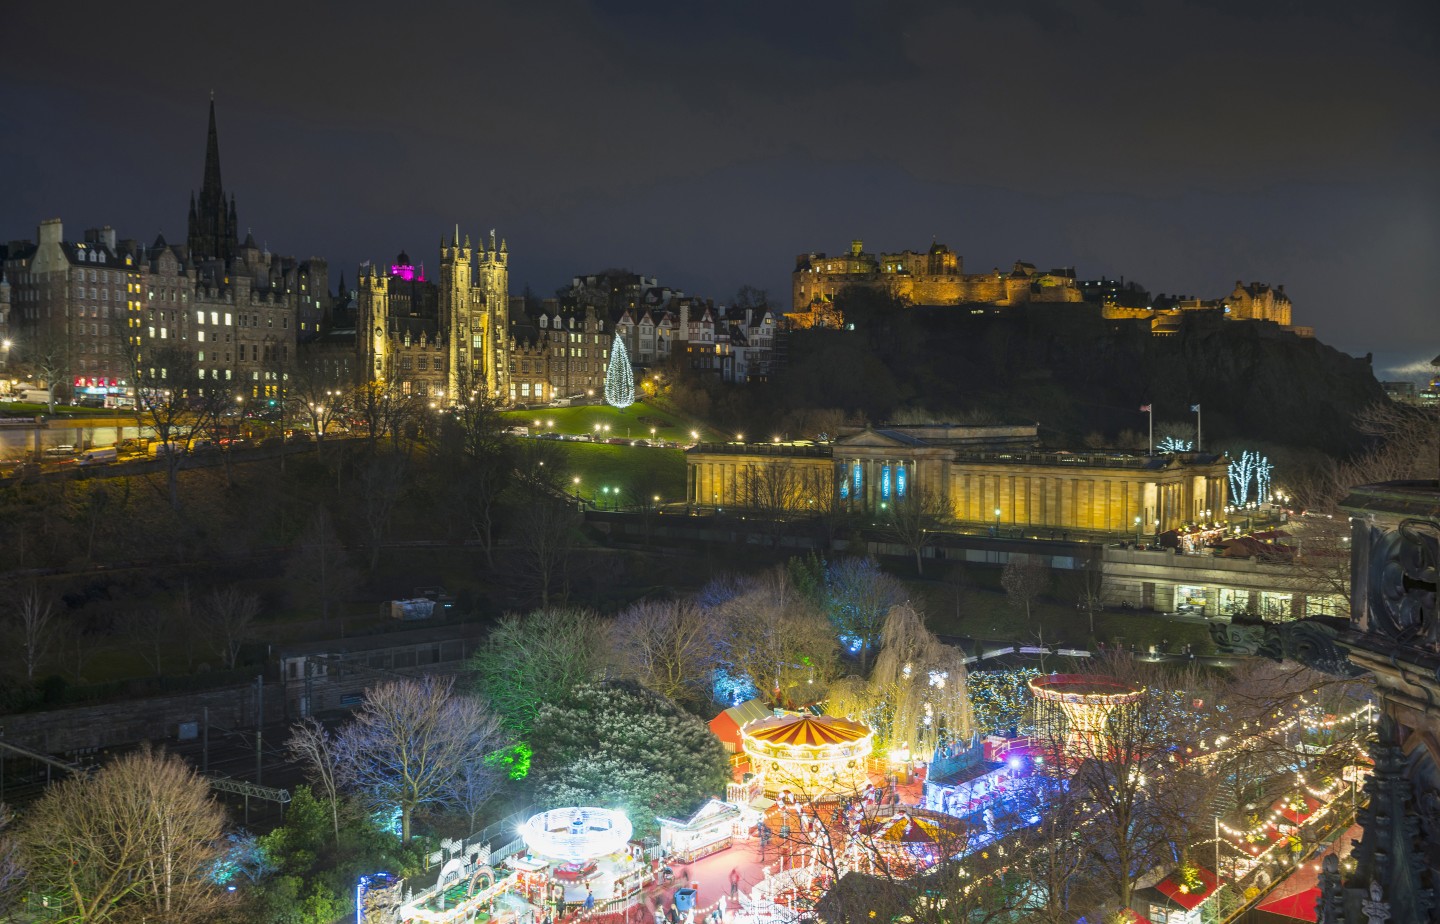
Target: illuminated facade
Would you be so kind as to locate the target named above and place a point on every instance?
(436, 339)
(985, 476)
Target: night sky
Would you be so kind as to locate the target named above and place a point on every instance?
(1182, 144)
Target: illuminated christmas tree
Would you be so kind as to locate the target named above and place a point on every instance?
(619, 380)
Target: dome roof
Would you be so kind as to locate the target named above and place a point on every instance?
(403, 259)
(805, 730)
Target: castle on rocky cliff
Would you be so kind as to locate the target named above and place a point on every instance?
(937, 277)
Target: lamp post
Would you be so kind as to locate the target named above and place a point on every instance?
(576, 481)
(1137, 532)
(997, 521)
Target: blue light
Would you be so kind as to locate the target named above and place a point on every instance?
(844, 486)
(900, 481)
(885, 482)
(857, 479)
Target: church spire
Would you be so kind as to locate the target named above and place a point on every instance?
(212, 225)
(212, 158)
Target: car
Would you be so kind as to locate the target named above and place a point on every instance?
(232, 442)
(60, 452)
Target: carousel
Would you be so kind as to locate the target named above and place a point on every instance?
(1076, 710)
(808, 757)
(572, 852)
(911, 841)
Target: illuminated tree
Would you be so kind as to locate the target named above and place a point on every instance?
(917, 696)
(619, 380)
(858, 598)
(1174, 444)
(408, 742)
(768, 633)
(534, 659)
(617, 743)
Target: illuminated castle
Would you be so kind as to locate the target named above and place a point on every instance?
(436, 339)
(935, 277)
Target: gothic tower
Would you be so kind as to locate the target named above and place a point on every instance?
(373, 323)
(474, 312)
(212, 225)
(493, 285)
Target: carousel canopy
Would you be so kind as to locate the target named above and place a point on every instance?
(905, 829)
(806, 730)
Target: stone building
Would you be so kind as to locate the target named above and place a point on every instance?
(97, 306)
(982, 476)
(72, 304)
(438, 339)
(935, 277)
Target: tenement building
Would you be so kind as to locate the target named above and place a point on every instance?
(935, 277)
(441, 338)
(95, 311)
(983, 476)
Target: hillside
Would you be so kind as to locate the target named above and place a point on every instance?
(1076, 373)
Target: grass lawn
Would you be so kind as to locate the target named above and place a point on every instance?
(634, 422)
(30, 409)
(640, 473)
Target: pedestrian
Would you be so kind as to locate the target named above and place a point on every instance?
(720, 907)
(659, 913)
(589, 901)
(734, 884)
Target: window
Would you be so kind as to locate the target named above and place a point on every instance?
(227, 319)
(214, 317)
(200, 336)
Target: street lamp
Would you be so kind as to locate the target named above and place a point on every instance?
(1137, 531)
(997, 521)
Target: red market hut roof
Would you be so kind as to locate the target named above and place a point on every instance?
(726, 726)
(1170, 888)
(1302, 906)
(806, 730)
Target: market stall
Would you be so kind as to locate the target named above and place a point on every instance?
(709, 830)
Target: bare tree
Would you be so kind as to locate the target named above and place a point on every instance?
(775, 491)
(77, 647)
(134, 840)
(543, 537)
(858, 597)
(34, 626)
(177, 404)
(1025, 578)
(408, 741)
(313, 747)
(477, 460)
(769, 634)
(382, 481)
(664, 644)
(150, 630)
(316, 396)
(913, 522)
(48, 359)
(229, 617)
(1087, 584)
(320, 566)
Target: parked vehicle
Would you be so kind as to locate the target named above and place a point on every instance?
(60, 452)
(201, 444)
(166, 448)
(35, 395)
(99, 456)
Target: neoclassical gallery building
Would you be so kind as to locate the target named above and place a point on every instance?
(979, 475)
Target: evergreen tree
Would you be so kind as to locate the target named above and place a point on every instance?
(617, 743)
(619, 380)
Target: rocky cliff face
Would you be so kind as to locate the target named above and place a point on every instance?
(1070, 369)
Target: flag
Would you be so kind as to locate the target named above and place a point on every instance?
(1144, 408)
(1194, 408)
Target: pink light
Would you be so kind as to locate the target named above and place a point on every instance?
(404, 271)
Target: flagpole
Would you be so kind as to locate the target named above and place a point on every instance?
(1198, 444)
(1151, 408)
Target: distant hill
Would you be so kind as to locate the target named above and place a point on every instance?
(1076, 372)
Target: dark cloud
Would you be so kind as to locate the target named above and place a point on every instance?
(1185, 144)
